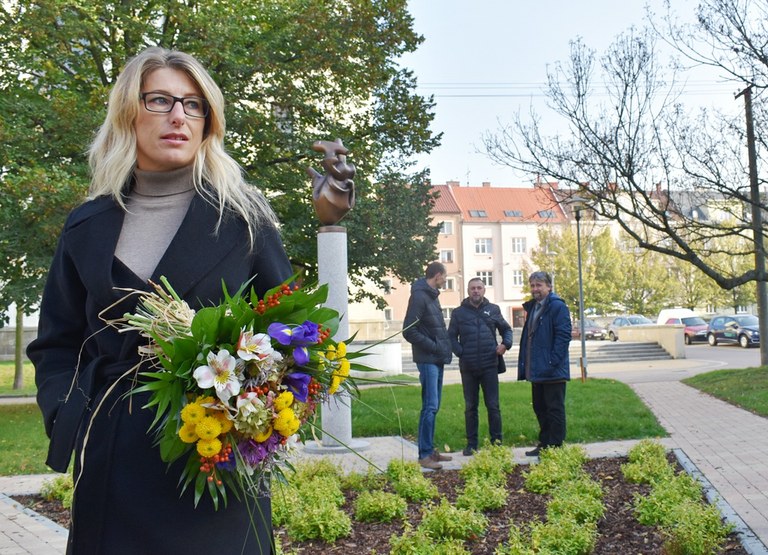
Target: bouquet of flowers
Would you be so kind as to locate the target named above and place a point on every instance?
(232, 384)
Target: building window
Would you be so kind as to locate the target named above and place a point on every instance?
(388, 314)
(446, 256)
(446, 228)
(447, 312)
(546, 213)
(513, 213)
(387, 283)
(741, 309)
(487, 278)
(478, 213)
(518, 245)
(449, 284)
(483, 246)
(518, 278)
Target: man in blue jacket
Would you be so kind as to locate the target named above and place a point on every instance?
(543, 359)
(424, 329)
(473, 338)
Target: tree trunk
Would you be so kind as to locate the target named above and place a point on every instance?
(18, 376)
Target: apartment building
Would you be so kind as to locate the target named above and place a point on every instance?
(487, 232)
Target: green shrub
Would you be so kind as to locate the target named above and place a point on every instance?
(61, 488)
(491, 462)
(443, 521)
(379, 506)
(318, 521)
(285, 501)
(372, 480)
(417, 489)
(482, 494)
(322, 467)
(563, 536)
(516, 543)
(647, 463)
(694, 529)
(658, 507)
(397, 469)
(556, 466)
(646, 449)
(570, 503)
(418, 542)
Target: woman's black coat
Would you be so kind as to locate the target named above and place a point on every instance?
(127, 500)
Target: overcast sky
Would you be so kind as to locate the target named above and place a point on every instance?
(486, 60)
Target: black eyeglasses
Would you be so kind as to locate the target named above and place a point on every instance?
(193, 106)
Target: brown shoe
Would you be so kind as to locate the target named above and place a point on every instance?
(429, 462)
(438, 457)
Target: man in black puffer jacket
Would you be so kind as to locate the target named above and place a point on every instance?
(473, 338)
(424, 329)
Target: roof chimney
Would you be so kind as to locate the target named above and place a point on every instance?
(453, 183)
(486, 183)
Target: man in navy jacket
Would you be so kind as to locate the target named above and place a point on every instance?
(424, 329)
(473, 338)
(543, 359)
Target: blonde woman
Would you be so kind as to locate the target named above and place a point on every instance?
(165, 200)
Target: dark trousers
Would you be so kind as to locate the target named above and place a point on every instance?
(472, 381)
(549, 406)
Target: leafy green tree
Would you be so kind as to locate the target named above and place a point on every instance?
(33, 203)
(293, 72)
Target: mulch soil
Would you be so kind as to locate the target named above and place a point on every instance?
(618, 530)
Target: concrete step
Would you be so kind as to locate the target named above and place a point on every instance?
(596, 351)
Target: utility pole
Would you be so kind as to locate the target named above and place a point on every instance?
(757, 228)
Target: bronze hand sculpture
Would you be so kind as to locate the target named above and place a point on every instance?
(333, 194)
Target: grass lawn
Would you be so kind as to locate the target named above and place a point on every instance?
(23, 445)
(746, 388)
(7, 370)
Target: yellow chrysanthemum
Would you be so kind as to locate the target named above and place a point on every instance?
(192, 413)
(286, 423)
(263, 436)
(223, 419)
(341, 350)
(344, 367)
(208, 447)
(208, 428)
(330, 353)
(283, 401)
(335, 383)
(187, 433)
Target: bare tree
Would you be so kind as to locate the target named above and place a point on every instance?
(676, 182)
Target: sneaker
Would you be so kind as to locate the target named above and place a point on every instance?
(429, 462)
(533, 452)
(469, 451)
(438, 457)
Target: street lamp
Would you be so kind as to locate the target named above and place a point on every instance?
(578, 204)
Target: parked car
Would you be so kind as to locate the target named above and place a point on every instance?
(591, 330)
(695, 328)
(624, 321)
(667, 313)
(743, 329)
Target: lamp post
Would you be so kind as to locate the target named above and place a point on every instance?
(578, 205)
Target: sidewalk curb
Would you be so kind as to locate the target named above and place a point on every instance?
(747, 537)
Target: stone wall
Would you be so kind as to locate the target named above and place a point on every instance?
(8, 341)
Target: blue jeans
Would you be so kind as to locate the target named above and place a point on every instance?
(431, 378)
(472, 382)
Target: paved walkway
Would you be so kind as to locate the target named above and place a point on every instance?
(727, 445)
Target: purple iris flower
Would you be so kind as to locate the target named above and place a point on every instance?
(298, 383)
(253, 453)
(303, 334)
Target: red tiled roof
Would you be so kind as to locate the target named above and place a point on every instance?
(529, 202)
(445, 203)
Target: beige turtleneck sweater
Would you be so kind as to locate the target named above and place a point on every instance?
(156, 207)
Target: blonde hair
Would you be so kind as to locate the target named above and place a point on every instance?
(217, 176)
